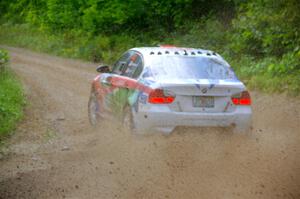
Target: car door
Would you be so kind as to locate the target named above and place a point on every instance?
(108, 88)
(127, 82)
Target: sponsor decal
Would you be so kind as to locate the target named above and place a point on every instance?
(226, 107)
(143, 98)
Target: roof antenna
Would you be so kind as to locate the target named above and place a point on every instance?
(185, 53)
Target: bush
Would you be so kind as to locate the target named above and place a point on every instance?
(264, 44)
(266, 28)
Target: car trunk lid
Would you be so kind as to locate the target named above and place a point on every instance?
(202, 95)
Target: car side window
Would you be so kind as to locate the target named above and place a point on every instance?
(121, 64)
(134, 66)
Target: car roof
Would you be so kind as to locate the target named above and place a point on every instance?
(174, 50)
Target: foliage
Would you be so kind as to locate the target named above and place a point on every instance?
(3, 57)
(11, 99)
(268, 28)
(270, 74)
(98, 16)
(261, 39)
(68, 44)
(266, 34)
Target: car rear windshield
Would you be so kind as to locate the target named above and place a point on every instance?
(189, 68)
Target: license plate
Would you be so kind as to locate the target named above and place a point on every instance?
(203, 101)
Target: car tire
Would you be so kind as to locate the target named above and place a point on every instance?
(93, 108)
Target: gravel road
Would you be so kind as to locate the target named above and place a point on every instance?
(56, 154)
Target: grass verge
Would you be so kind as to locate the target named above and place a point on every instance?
(12, 101)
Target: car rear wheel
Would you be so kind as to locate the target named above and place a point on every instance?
(93, 108)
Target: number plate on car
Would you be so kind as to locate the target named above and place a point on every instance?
(203, 101)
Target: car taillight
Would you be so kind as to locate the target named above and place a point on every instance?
(159, 96)
(242, 98)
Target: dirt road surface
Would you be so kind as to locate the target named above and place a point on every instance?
(56, 154)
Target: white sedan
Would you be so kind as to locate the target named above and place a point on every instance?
(159, 88)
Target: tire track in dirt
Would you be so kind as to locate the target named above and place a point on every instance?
(56, 154)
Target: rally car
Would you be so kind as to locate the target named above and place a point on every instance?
(152, 89)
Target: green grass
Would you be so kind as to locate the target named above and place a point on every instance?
(73, 44)
(12, 101)
(261, 75)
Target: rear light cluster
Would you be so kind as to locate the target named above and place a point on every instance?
(242, 98)
(159, 96)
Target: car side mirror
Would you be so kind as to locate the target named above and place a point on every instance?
(103, 69)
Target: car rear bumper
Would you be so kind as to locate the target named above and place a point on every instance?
(168, 120)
